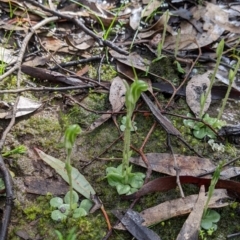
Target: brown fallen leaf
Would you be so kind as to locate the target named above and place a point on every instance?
(133, 60)
(42, 186)
(163, 163)
(166, 183)
(178, 207)
(191, 226)
(197, 86)
(230, 172)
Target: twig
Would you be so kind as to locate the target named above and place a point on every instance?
(74, 63)
(24, 45)
(82, 26)
(39, 89)
(224, 165)
(9, 199)
(7, 178)
(176, 166)
(99, 68)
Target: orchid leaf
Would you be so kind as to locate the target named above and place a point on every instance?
(80, 184)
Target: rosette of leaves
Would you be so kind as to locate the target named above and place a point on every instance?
(126, 183)
(62, 210)
(201, 130)
(210, 219)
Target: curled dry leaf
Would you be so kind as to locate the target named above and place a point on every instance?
(117, 94)
(197, 86)
(166, 183)
(135, 18)
(81, 41)
(25, 106)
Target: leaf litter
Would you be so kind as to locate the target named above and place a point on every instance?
(103, 29)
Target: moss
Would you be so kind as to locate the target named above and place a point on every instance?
(107, 72)
(165, 68)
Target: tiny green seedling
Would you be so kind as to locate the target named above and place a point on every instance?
(231, 76)
(211, 217)
(71, 235)
(200, 130)
(18, 150)
(122, 177)
(204, 97)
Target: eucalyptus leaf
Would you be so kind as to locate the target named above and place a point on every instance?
(80, 184)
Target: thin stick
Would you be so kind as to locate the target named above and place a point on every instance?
(24, 45)
(82, 26)
(39, 89)
(176, 167)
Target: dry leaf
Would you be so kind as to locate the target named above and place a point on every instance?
(197, 86)
(150, 8)
(163, 163)
(117, 94)
(24, 107)
(178, 207)
(7, 55)
(135, 18)
(133, 60)
(191, 226)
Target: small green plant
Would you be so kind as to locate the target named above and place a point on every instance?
(69, 140)
(204, 97)
(18, 150)
(122, 177)
(179, 67)
(201, 130)
(211, 217)
(69, 205)
(61, 207)
(232, 74)
(71, 235)
(160, 45)
(202, 234)
(123, 125)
